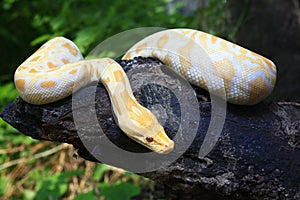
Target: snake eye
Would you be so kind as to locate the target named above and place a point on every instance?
(149, 139)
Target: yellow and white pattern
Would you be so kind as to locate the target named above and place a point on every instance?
(57, 70)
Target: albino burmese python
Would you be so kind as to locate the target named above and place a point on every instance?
(57, 70)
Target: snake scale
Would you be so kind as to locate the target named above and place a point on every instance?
(57, 69)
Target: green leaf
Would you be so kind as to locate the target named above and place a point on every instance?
(41, 39)
(85, 37)
(7, 4)
(57, 23)
(3, 186)
(29, 194)
(86, 196)
(119, 191)
(55, 186)
(128, 174)
(69, 174)
(99, 171)
(10, 94)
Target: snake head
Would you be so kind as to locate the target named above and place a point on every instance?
(151, 134)
(155, 139)
(142, 126)
(159, 143)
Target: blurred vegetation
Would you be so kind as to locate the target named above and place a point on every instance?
(25, 25)
(33, 169)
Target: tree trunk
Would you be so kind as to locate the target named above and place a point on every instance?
(256, 156)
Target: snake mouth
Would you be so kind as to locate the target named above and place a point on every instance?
(160, 143)
(168, 148)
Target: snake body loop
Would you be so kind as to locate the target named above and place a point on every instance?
(57, 70)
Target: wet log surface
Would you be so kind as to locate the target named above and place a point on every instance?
(256, 157)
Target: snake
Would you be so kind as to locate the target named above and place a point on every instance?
(57, 69)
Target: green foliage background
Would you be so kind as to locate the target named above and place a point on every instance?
(25, 25)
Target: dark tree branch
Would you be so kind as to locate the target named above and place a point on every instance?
(257, 156)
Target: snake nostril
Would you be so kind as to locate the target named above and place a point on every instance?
(149, 139)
